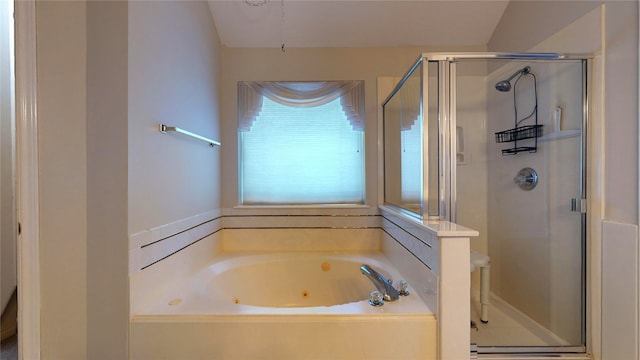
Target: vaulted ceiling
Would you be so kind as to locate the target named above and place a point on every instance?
(356, 23)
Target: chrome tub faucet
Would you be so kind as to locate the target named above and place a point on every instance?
(384, 286)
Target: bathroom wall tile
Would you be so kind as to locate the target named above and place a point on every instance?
(300, 210)
(264, 232)
(421, 280)
(413, 227)
(170, 229)
(154, 234)
(435, 257)
(147, 285)
(417, 241)
(300, 221)
(135, 260)
(620, 290)
(159, 246)
(139, 239)
(301, 239)
(454, 302)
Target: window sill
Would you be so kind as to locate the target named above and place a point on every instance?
(302, 210)
(314, 206)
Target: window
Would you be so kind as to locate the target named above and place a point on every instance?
(301, 143)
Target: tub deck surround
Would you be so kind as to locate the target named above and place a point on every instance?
(433, 257)
(438, 228)
(194, 319)
(301, 239)
(316, 337)
(445, 248)
(156, 244)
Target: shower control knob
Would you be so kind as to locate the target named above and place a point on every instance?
(526, 179)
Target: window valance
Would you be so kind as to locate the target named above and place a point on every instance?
(300, 94)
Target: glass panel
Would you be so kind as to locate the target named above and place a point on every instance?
(411, 143)
(403, 145)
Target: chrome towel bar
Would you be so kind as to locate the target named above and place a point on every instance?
(165, 128)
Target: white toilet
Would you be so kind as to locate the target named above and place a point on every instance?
(483, 262)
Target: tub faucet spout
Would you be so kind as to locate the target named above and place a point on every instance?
(382, 284)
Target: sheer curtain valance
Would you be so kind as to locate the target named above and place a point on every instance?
(300, 94)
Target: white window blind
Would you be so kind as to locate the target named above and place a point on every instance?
(302, 147)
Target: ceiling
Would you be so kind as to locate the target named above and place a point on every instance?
(356, 23)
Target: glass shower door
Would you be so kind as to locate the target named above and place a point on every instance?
(521, 201)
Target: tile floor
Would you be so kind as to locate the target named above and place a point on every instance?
(508, 327)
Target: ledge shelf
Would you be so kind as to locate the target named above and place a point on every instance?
(560, 134)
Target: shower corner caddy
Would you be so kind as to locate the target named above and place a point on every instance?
(519, 133)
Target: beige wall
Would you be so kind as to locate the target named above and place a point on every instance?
(108, 73)
(524, 24)
(162, 188)
(107, 265)
(310, 64)
(62, 146)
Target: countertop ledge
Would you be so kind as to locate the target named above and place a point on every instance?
(440, 228)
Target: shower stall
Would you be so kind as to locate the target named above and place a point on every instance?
(497, 143)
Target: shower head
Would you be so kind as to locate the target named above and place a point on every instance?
(505, 85)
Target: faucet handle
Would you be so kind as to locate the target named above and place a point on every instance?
(403, 288)
(376, 298)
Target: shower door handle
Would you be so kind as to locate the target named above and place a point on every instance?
(579, 205)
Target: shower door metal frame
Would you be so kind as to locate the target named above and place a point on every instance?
(447, 168)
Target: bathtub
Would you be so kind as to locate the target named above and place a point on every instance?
(288, 305)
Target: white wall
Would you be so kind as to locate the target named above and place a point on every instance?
(174, 70)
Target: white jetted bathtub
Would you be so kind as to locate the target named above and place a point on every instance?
(289, 305)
